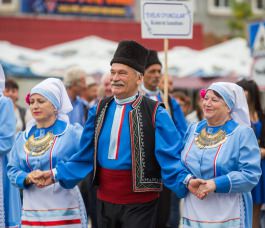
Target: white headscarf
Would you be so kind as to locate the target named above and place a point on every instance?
(2, 80)
(235, 99)
(53, 89)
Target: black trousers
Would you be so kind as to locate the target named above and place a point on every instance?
(127, 216)
(164, 203)
(89, 196)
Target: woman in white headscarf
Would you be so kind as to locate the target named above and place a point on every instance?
(10, 204)
(222, 154)
(48, 139)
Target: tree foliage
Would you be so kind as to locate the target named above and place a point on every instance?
(241, 14)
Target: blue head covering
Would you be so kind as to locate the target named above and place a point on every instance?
(53, 90)
(235, 99)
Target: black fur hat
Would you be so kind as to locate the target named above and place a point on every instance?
(152, 58)
(131, 54)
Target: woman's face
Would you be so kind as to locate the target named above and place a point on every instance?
(41, 109)
(214, 108)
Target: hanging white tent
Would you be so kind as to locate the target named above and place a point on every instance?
(93, 54)
(230, 57)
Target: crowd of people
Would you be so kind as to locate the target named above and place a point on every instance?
(113, 154)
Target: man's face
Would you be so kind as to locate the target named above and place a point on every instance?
(152, 76)
(12, 93)
(107, 87)
(170, 84)
(124, 80)
(91, 92)
(79, 86)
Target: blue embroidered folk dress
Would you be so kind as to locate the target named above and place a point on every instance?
(10, 205)
(234, 164)
(51, 206)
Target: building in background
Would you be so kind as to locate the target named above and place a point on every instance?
(42, 23)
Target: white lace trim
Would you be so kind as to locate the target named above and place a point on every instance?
(82, 208)
(2, 209)
(242, 212)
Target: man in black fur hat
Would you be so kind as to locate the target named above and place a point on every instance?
(149, 88)
(127, 148)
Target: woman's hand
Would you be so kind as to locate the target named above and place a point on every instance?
(32, 178)
(45, 178)
(39, 178)
(206, 188)
(194, 185)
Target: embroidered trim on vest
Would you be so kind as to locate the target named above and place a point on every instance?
(98, 124)
(140, 182)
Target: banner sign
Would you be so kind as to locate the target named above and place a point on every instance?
(172, 19)
(104, 8)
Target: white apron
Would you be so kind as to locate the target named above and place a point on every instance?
(217, 210)
(53, 206)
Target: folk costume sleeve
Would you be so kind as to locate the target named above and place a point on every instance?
(16, 175)
(8, 126)
(248, 172)
(167, 150)
(70, 172)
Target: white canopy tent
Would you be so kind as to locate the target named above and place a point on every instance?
(230, 57)
(93, 54)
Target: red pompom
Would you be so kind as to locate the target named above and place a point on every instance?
(27, 98)
(203, 93)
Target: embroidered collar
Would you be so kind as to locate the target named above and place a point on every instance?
(126, 100)
(228, 127)
(210, 140)
(56, 129)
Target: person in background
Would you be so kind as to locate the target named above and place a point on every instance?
(10, 205)
(221, 150)
(48, 139)
(170, 84)
(150, 88)
(257, 119)
(128, 148)
(75, 83)
(197, 114)
(11, 90)
(90, 94)
(183, 100)
(105, 86)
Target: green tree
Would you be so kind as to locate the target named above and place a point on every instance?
(241, 14)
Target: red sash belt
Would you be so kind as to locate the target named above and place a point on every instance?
(115, 186)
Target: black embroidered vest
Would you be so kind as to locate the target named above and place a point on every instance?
(146, 175)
